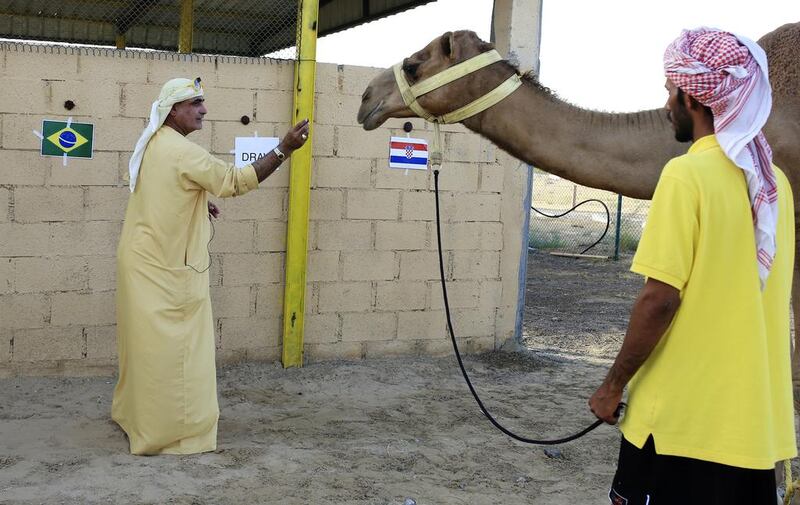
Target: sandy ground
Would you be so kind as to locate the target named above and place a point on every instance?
(372, 432)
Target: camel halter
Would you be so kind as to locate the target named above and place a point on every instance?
(410, 94)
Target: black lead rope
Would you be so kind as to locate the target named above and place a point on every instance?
(461, 363)
(590, 200)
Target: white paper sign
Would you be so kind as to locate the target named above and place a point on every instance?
(249, 149)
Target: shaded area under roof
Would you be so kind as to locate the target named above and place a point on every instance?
(234, 27)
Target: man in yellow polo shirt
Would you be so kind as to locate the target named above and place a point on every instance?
(706, 357)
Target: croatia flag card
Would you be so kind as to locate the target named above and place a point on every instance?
(409, 154)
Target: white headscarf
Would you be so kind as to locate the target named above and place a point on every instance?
(729, 74)
(174, 91)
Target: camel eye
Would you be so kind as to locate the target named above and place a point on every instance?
(410, 69)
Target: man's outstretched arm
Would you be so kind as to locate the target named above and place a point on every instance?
(651, 315)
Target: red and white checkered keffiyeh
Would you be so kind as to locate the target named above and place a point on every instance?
(728, 73)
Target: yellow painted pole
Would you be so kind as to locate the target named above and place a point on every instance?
(187, 26)
(300, 187)
(120, 41)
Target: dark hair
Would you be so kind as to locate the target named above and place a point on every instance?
(706, 109)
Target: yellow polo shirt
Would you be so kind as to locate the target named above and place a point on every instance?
(718, 385)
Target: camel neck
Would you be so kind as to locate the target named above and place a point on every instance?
(623, 153)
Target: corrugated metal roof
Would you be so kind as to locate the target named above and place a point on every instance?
(238, 27)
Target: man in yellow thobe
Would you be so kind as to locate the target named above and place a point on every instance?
(166, 396)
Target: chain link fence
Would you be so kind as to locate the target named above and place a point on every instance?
(254, 28)
(597, 214)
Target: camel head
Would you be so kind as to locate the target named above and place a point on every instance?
(382, 100)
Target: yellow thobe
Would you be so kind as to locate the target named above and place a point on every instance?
(166, 394)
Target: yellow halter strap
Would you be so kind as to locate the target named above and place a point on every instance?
(412, 93)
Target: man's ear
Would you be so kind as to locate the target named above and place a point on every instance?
(448, 45)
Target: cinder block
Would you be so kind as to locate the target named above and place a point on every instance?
(101, 170)
(24, 239)
(356, 78)
(399, 236)
(250, 333)
(137, 98)
(40, 62)
(462, 236)
(345, 297)
(323, 138)
(492, 236)
(5, 199)
(322, 266)
(84, 238)
(32, 205)
(24, 311)
(474, 322)
(106, 203)
(6, 275)
(345, 235)
(456, 176)
(326, 204)
(215, 270)
(117, 133)
(252, 269)
(491, 293)
(328, 77)
(230, 301)
(391, 178)
(269, 300)
(337, 109)
(33, 96)
(476, 345)
(417, 325)
(365, 327)
(261, 204)
(163, 67)
(401, 295)
(354, 142)
(45, 274)
(492, 177)
(315, 353)
(253, 73)
(474, 207)
(79, 309)
(369, 265)
(233, 237)
(476, 265)
(419, 265)
(469, 147)
(101, 342)
(118, 66)
(91, 99)
(274, 106)
(321, 328)
(224, 134)
(373, 204)
(102, 273)
(418, 206)
(271, 236)
(280, 178)
(230, 104)
(341, 173)
(6, 339)
(22, 168)
(460, 294)
(394, 349)
(48, 344)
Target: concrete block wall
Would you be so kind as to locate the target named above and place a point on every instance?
(373, 285)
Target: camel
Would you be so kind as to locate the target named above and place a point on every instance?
(623, 153)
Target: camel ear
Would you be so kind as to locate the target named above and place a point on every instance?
(448, 45)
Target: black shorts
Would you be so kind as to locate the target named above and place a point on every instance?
(646, 478)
